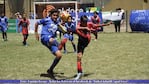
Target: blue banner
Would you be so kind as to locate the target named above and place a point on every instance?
(139, 20)
(76, 81)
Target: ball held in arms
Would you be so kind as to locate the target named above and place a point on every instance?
(64, 15)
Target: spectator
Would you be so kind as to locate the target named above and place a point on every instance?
(117, 23)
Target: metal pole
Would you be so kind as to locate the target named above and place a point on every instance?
(126, 20)
(30, 8)
(4, 7)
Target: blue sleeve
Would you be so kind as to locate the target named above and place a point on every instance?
(42, 21)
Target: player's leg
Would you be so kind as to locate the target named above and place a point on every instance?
(74, 46)
(60, 34)
(80, 51)
(82, 44)
(71, 38)
(115, 26)
(119, 25)
(24, 39)
(58, 55)
(52, 45)
(4, 34)
(26, 36)
(79, 66)
(63, 41)
(56, 60)
(95, 34)
(65, 50)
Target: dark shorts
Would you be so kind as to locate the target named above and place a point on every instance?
(82, 44)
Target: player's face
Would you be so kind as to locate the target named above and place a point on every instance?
(54, 16)
(95, 15)
(69, 19)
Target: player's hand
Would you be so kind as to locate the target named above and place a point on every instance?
(37, 36)
(88, 29)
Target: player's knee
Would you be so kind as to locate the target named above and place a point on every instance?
(63, 42)
(53, 42)
(58, 54)
(79, 56)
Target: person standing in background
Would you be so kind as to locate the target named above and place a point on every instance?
(24, 23)
(95, 19)
(18, 19)
(4, 26)
(117, 23)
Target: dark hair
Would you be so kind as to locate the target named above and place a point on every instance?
(69, 17)
(118, 9)
(95, 12)
(53, 11)
(83, 18)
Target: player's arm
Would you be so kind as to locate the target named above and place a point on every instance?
(36, 31)
(28, 23)
(83, 28)
(19, 24)
(78, 31)
(101, 25)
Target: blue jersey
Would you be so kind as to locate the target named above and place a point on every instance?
(70, 26)
(3, 22)
(49, 27)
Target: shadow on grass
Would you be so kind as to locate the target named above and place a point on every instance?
(69, 52)
(61, 76)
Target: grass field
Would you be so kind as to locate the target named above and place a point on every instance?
(112, 56)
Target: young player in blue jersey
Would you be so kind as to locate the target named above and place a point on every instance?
(69, 35)
(48, 34)
(4, 26)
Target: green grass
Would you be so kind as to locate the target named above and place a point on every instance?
(112, 56)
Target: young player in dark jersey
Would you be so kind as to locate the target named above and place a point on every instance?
(24, 23)
(95, 19)
(84, 39)
(83, 30)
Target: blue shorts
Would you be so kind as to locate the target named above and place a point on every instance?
(53, 47)
(68, 36)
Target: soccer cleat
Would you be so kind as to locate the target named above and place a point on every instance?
(79, 75)
(5, 40)
(51, 75)
(26, 45)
